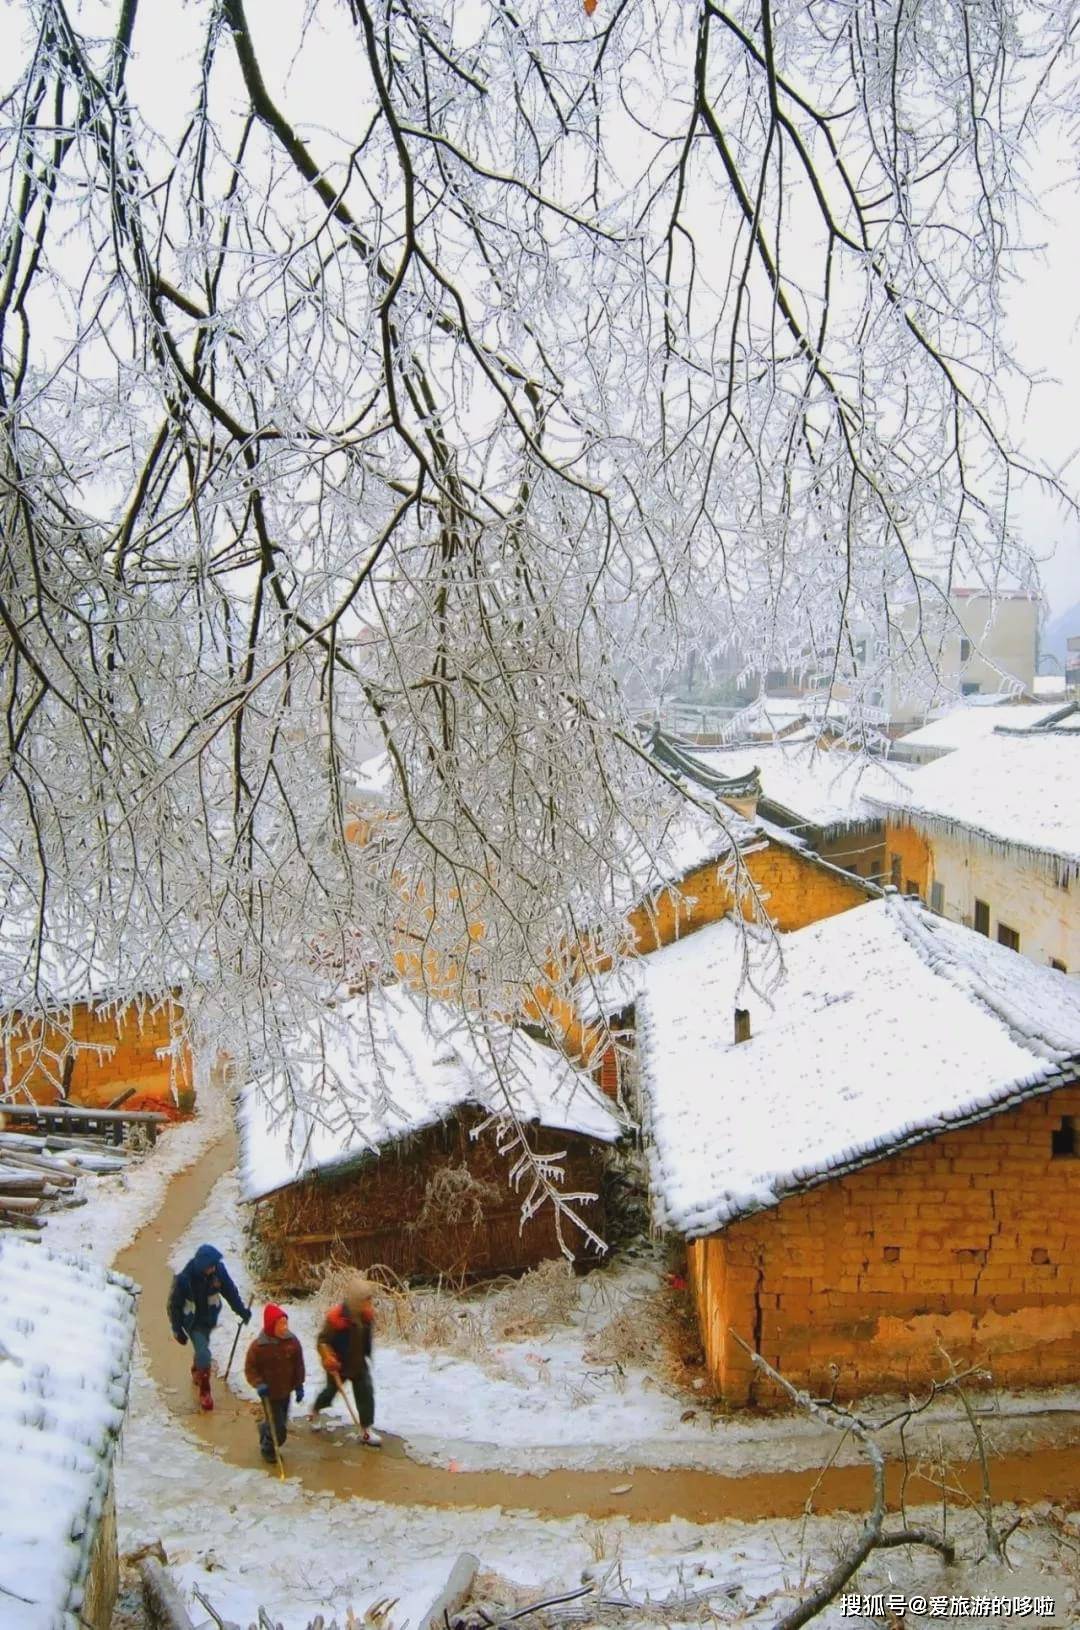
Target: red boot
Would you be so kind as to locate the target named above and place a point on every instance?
(202, 1381)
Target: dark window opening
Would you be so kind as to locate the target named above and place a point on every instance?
(982, 918)
(965, 651)
(937, 898)
(1063, 1140)
(892, 1253)
(911, 887)
(970, 689)
(895, 866)
(1008, 937)
(1060, 966)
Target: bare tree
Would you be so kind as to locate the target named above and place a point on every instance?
(403, 382)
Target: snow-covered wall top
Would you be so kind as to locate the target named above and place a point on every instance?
(890, 1024)
(382, 1067)
(1022, 791)
(66, 1330)
(824, 787)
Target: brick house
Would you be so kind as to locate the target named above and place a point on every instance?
(989, 835)
(710, 865)
(391, 1144)
(89, 1051)
(888, 1165)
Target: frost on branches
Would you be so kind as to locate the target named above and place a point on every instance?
(389, 375)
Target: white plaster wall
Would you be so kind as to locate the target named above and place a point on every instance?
(1026, 898)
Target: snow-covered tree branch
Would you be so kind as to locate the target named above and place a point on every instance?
(383, 375)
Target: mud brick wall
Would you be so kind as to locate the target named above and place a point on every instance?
(797, 891)
(970, 1241)
(95, 1053)
(914, 854)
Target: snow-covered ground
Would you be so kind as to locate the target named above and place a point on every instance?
(246, 1539)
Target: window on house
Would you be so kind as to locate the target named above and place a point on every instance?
(853, 866)
(937, 898)
(982, 918)
(911, 887)
(1008, 936)
(895, 870)
(965, 651)
(971, 688)
(1063, 1140)
(1060, 966)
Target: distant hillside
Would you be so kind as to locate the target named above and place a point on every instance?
(1058, 630)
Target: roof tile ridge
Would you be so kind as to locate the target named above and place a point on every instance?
(935, 954)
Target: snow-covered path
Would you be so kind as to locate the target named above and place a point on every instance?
(246, 1539)
(646, 1493)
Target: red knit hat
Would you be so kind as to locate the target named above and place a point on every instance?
(271, 1314)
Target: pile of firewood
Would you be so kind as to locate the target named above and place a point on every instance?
(40, 1173)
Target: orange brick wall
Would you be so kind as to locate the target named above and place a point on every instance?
(914, 852)
(796, 891)
(970, 1241)
(113, 1051)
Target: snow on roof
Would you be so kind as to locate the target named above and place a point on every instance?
(66, 1329)
(889, 1025)
(1013, 791)
(382, 1067)
(965, 725)
(823, 787)
(1048, 686)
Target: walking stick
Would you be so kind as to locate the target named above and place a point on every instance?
(236, 1338)
(348, 1401)
(273, 1437)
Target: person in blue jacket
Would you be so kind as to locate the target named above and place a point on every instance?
(194, 1307)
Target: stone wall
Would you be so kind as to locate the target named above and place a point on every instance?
(970, 1240)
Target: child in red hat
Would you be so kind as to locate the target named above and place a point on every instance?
(275, 1368)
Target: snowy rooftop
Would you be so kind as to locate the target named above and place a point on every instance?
(964, 726)
(66, 1328)
(382, 1067)
(825, 788)
(1017, 791)
(889, 1025)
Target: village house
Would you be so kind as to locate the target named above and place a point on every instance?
(989, 836)
(370, 1154)
(966, 725)
(95, 1051)
(818, 796)
(719, 856)
(66, 1333)
(881, 1165)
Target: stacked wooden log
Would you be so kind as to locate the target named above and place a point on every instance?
(40, 1173)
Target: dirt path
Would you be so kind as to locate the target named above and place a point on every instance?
(336, 1466)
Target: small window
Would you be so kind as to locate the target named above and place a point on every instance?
(895, 870)
(937, 897)
(965, 654)
(972, 688)
(982, 918)
(1063, 1141)
(1060, 966)
(1008, 937)
(911, 887)
(853, 867)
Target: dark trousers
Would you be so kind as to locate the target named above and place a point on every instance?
(363, 1392)
(279, 1414)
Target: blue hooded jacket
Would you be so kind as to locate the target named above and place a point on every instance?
(195, 1297)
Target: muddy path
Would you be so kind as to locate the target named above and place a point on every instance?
(329, 1463)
